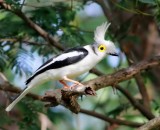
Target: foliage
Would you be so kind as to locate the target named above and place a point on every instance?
(134, 29)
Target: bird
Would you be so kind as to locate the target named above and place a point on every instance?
(71, 63)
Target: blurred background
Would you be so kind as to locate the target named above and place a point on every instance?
(134, 30)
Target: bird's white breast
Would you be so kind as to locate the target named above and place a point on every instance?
(80, 67)
(71, 71)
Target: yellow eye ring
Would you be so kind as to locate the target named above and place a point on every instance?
(102, 48)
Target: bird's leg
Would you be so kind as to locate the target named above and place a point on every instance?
(64, 83)
(72, 81)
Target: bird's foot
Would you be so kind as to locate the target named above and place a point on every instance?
(75, 85)
(66, 87)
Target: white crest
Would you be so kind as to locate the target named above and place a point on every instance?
(100, 31)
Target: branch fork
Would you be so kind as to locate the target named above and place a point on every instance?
(67, 98)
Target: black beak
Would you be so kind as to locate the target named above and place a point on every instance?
(113, 54)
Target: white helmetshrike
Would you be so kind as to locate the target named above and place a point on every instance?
(71, 63)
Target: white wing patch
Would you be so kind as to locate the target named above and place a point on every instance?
(61, 58)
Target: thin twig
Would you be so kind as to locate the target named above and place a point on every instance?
(34, 26)
(135, 103)
(139, 79)
(143, 91)
(110, 120)
(22, 41)
(97, 72)
(39, 30)
(22, 4)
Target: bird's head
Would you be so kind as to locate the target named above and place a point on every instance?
(102, 46)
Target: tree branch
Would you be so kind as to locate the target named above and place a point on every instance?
(38, 29)
(69, 98)
(135, 103)
(97, 72)
(110, 120)
(102, 81)
(21, 40)
(34, 26)
(139, 79)
(123, 74)
(152, 124)
(143, 90)
(5, 86)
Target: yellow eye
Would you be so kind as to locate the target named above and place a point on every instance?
(102, 48)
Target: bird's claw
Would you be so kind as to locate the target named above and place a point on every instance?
(75, 85)
(66, 87)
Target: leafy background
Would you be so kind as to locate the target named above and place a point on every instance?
(134, 29)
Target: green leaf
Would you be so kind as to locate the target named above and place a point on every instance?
(148, 1)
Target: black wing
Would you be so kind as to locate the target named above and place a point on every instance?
(61, 63)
